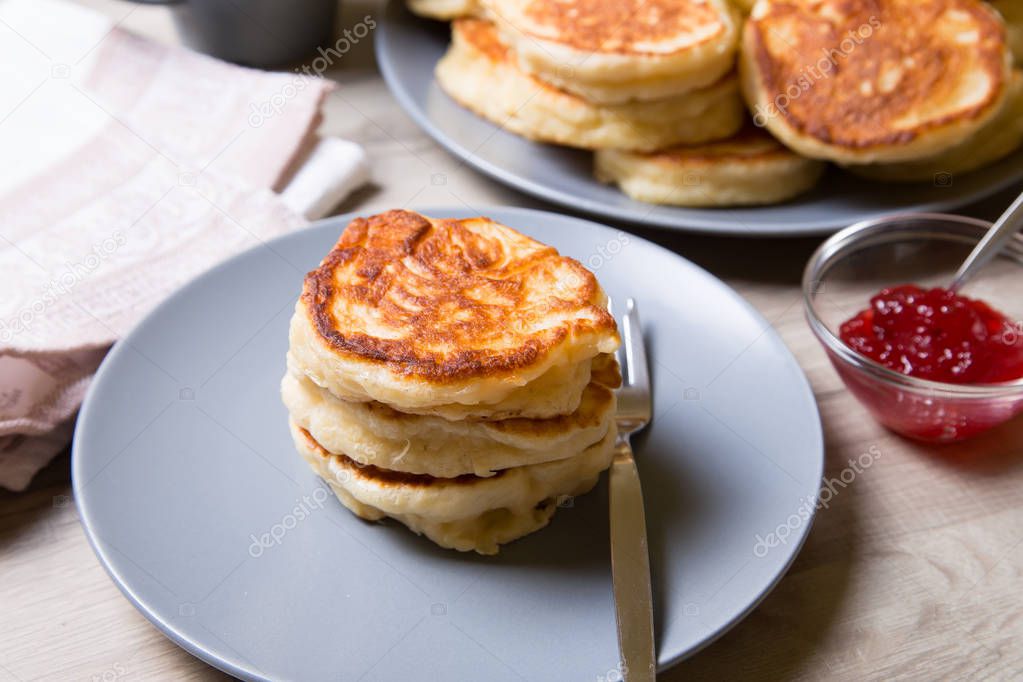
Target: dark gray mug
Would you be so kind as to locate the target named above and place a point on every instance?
(263, 33)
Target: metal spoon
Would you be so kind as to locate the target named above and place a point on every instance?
(1000, 233)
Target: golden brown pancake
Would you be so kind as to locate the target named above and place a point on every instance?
(750, 168)
(867, 81)
(613, 51)
(483, 74)
(996, 140)
(373, 433)
(384, 478)
(466, 512)
(421, 313)
(626, 26)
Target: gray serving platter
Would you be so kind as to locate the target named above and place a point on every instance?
(408, 48)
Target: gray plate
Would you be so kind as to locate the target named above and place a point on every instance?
(195, 501)
(408, 47)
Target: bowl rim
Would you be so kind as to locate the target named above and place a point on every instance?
(833, 248)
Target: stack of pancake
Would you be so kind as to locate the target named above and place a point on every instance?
(454, 375)
(662, 90)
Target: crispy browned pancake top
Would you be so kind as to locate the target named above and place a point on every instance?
(626, 26)
(889, 65)
(450, 299)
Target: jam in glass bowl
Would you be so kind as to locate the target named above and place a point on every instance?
(926, 363)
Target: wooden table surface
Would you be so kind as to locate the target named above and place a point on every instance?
(912, 572)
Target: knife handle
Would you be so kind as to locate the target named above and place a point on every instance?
(630, 568)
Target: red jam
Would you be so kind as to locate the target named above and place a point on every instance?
(937, 335)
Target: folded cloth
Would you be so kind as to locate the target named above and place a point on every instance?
(130, 167)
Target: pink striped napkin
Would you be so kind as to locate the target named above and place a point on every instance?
(185, 163)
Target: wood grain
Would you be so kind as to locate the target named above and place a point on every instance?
(912, 572)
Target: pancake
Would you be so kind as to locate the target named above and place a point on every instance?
(483, 75)
(874, 81)
(556, 391)
(610, 51)
(999, 138)
(465, 513)
(451, 317)
(1012, 12)
(444, 10)
(372, 433)
(747, 169)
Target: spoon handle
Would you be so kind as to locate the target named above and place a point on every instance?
(1000, 233)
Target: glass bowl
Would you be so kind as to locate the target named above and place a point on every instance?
(923, 249)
